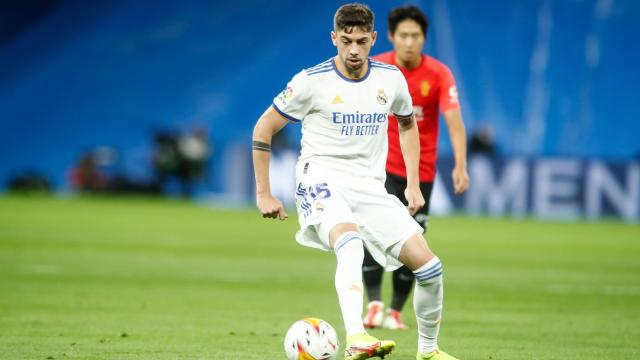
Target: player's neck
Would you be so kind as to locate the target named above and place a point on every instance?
(411, 64)
(351, 75)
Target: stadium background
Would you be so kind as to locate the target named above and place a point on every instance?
(549, 78)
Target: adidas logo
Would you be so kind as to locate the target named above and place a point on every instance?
(337, 100)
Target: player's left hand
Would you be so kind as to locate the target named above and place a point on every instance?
(415, 200)
(460, 180)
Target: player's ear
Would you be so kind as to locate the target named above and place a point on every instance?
(334, 38)
(390, 36)
(374, 36)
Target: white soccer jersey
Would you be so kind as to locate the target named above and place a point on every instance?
(344, 121)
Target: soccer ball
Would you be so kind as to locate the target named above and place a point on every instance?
(311, 339)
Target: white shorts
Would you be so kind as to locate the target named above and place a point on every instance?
(325, 198)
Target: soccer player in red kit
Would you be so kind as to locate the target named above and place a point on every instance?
(433, 91)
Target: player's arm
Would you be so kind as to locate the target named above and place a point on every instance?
(269, 124)
(458, 136)
(410, 145)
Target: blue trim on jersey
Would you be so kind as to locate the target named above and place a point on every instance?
(385, 67)
(311, 71)
(320, 71)
(382, 65)
(324, 64)
(333, 62)
(289, 117)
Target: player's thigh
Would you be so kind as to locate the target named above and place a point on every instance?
(384, 218)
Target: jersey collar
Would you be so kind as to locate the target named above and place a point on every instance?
(333, 63)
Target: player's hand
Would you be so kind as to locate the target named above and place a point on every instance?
(270, 207)
(460, 180)
(415, 200)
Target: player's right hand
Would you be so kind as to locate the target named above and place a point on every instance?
(415, 200)
(270, 207)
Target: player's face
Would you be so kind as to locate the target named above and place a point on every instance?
(353, 48)
(408, 41)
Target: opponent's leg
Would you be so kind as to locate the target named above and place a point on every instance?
(402, 285)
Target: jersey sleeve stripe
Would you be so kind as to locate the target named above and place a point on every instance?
(289, 117)
(403, 116)
(322, 64)
(319, 71)
(318, 68)
(387, 67)
(381, 63)
(376, 62)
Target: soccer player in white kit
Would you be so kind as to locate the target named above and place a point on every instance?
(343, 105)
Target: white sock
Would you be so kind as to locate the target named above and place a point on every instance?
(350, 254)
(427, 303)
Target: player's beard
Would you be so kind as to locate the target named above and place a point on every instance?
(353, 67)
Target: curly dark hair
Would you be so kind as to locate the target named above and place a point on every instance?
(353, 15)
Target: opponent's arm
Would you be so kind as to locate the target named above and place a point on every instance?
(458, 137)
(410, 145)
(269, 124)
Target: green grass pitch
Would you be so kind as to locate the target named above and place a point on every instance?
(154, 279)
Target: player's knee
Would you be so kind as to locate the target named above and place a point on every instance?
(415, 252)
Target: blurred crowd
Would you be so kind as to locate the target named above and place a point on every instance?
(180, 157)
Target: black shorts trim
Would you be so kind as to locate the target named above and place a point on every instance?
(396, 184)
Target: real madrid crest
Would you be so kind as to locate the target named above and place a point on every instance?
(382, 97)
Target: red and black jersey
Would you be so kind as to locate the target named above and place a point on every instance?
(433, 91)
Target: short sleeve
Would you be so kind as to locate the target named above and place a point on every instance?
(294, 102)
(448, 97)
(402, 105)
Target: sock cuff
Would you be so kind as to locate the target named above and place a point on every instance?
(346, 238)
(428, 271)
